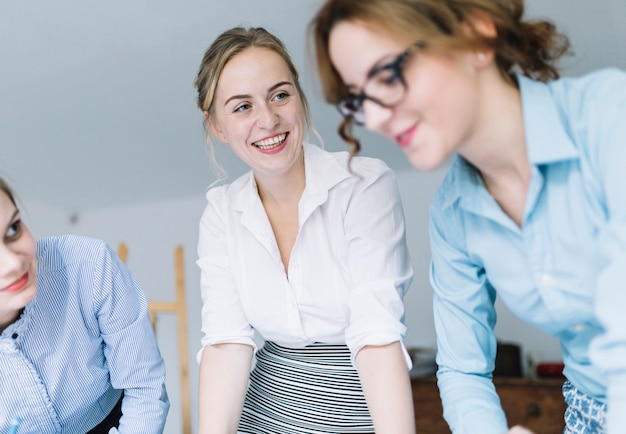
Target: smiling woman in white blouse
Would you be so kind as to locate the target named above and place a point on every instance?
(305, 251)
(76, 345)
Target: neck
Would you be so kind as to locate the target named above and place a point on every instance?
(498, 147)
(9, 319)
(282, 189)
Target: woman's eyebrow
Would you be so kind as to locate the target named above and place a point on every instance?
(244, 96)
(247, 96)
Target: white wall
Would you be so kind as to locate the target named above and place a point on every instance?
(153, 230)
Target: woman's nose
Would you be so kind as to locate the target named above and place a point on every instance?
(267, 118)
(376, 116)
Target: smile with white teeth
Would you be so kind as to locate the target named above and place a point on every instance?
(271, 143)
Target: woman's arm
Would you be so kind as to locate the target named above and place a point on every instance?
(381, 273)
(130, 346)
(606, 145)
(387, 387)
(224, 374)
(228, 338)
(464, 317)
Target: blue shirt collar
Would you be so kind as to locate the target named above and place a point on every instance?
(546, 138)
(546, 142)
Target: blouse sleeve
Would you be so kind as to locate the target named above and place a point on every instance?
(464, 314)
(130, 347)
(607, 134)
(223, 316)
(379, 262)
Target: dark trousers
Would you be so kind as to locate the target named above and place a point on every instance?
(112, 420)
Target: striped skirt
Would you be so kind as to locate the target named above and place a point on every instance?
(314, 389)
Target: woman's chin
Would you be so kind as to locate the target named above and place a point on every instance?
(424, 162)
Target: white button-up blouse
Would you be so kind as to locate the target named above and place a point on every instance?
(348, 271)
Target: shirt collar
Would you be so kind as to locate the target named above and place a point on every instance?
(322, 170)
(547, 142)
(14, 332)
(546, 138)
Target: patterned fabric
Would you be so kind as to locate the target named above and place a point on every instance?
(584, 414)
(83, 339)
(314, 389)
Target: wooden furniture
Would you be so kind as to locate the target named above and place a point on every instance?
(536, 404)
(179, 308)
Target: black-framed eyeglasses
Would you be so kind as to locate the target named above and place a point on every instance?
(385, 85)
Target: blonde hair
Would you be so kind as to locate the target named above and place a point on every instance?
(532, 47)
(4, 187)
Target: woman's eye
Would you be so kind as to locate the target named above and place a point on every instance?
(242, 108)
(387, 77)
(281, 96)
(14, 229)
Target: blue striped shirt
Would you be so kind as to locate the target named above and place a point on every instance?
(83, 339)
(563, 271)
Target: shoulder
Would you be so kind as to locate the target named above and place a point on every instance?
(230, 189)
(226, 200)
(606, 81)
(55, 252)
(337, 174)
(449, 192)
(445, 208)
(593, 111)
(368, 167)
(360, 169)
(360, 165)
(600, 90)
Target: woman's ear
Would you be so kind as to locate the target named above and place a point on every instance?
(214, 127)
(483, 58)
(483, 26)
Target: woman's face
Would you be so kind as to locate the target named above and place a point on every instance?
(18, 272)
(259, 113)
(438, 112)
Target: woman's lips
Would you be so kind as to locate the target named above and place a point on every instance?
(404, 139)
(272, 145)
(18, 284)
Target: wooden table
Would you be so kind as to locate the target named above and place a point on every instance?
(536, 404)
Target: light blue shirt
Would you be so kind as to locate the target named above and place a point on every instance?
(563, 271)
(84, 338)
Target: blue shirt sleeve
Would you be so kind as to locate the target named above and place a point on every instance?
(130, 347)
(605, 135)
(464, 315)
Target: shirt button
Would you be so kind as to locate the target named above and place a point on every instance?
(579, 328)
(547, 280)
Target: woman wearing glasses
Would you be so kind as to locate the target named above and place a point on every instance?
(302, 251)
(534, 206)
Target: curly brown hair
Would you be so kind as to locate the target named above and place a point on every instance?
(529, 46)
